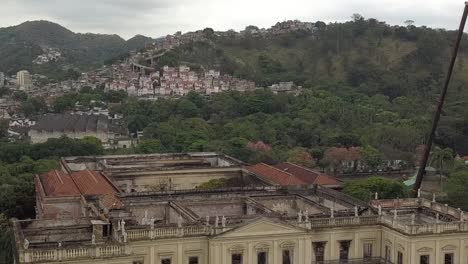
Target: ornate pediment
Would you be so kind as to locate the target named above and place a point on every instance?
(400, 247)
(449, 247)
(425, 249)
(263, 227)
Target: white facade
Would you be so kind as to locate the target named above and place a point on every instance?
(24, 80)
(2, 79)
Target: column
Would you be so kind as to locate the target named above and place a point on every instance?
(223, 252)
(151, 255)
(180, 253)
(461, 251)
(437, 258)
(274, 251)
(249, 256)
(332, 245)
(307, 250)
(356, 244)
(300, 251)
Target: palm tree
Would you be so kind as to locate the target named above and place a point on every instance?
(441, 158)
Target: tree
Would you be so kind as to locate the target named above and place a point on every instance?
(409, 23)
(33, 106)
(63, 103)
(186, 108)
(4, 124)
(6, 240)
(365, 189)
(441, 158)
(208, 32)
(213, 184)
(251, 27)
(371, 156)
(149, 146)
(357, 17)
(348, 140)
(456, 190)
(301, 157)
(20, 96)
(337, 157)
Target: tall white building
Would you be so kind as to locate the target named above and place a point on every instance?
(23, 79)
(2, 79)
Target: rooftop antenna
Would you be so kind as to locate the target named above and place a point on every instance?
(427, 150)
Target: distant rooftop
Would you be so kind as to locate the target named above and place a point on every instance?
(115, 164)
(287, 173)
(72, 123)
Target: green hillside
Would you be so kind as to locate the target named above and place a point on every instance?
(20, 45)
(363, 57)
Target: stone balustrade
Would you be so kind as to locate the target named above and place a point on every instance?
(38, 255)
(337, 222)
(163, 232)
(417, 229)
(35, 255)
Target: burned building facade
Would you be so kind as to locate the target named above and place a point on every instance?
(106, 210)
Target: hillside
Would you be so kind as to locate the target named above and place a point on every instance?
(21, 44)
(363, 57)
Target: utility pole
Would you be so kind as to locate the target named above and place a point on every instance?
(422, 169)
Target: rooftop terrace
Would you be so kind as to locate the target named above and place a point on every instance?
(179, 213)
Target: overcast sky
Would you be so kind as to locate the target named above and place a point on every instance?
(157, 18)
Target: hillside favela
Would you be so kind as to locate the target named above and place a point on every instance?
(220, 132)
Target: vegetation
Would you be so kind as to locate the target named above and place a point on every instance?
(21, 44)
(400, 69)
(87, 97)
(366, 189)
(456, 190)
(21, 161)
(369, 91)
(314, 128)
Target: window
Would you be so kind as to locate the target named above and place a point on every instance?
(344, 250)
(400, 258)
(319, 250)
(166, 261)
(193, 260)
(424, 259)
(388, 254)
(262, 257)
(236, 258)
(367, 248)
(448, 258)
(287, 256)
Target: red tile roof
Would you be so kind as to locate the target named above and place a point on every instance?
(274, 175)
(307, 175)
(58, 184)
(92, 183)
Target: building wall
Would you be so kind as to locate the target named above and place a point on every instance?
(219, 250)
(23, 79)
(42, 136)
(188, 179)
(433, 245)
(273, 240)
(62, 209)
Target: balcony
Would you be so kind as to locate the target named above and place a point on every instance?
(374, 260)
